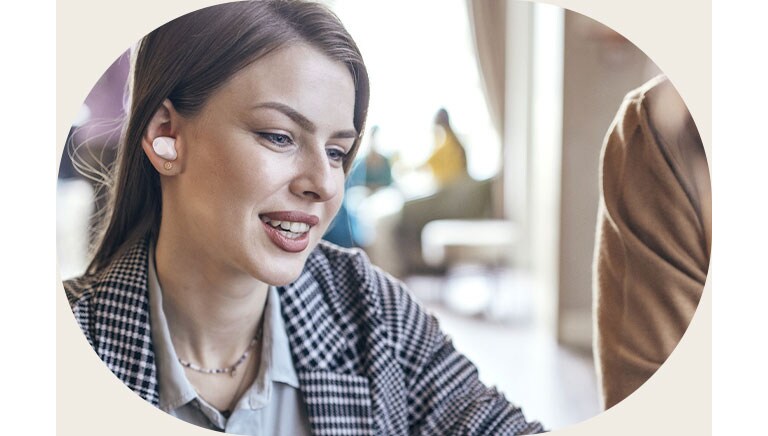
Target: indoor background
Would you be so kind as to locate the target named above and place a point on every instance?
(503, 256)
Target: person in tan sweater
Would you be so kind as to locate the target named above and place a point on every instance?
(654, 235)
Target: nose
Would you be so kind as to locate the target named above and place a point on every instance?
(315, 179)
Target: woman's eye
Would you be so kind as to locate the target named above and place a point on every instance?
(336, 155)
(277, 138)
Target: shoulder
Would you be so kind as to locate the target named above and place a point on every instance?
(634, 107)
(80, 289)
(350, 262)
(119, 286)
(128, 272)
(368, 294)
(656, 107)
(354, 277)
(80, 293)
(346, 276)
(387, 301)
(649, 118)
(654, 89)
(655, 124)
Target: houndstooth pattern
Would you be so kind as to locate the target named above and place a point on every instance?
(112, 309)
(370, 360)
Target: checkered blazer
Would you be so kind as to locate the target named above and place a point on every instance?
(369, 359)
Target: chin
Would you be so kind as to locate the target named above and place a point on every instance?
(282, 275)
(281, 281)
(279, 268)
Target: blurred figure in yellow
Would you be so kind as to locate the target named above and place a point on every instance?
(448, 162)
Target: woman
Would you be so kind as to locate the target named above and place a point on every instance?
(211, 295)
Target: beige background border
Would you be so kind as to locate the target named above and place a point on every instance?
(676, 35)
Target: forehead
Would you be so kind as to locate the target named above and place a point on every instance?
(299, 76)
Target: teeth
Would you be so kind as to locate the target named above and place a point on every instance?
(289, 226)
(291, 235)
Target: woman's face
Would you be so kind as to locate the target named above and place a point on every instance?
(261, 176)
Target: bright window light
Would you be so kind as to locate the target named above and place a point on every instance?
(420, 57)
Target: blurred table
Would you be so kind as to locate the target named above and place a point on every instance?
(486, 242)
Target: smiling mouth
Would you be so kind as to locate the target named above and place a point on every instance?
(289, 229)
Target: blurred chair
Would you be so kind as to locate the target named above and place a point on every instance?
(485, 242)
(463, 199)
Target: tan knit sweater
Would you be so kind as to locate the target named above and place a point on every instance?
(653, 237)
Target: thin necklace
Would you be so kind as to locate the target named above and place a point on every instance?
(230, 369)
(228, 412)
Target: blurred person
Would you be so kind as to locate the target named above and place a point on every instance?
(653, 238)
(448, 162)
(344, 229)
(378, 170)
(210, 293)
(341, 231)
(369, 173)
(457, 196)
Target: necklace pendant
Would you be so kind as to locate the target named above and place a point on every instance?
(232, 373)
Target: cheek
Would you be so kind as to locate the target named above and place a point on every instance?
(336, 205)
(241, 179)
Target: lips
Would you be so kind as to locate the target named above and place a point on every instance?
(289, 230)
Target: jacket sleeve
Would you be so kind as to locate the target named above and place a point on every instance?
(445, 395)
(652, 247)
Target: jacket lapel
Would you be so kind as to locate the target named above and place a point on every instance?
(319, 325)
(337, 403)
(120, 330)
(338, 398)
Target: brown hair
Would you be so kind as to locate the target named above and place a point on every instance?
(185, 61)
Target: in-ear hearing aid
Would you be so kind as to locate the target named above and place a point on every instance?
(165, 147)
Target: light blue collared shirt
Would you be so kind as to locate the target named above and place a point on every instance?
(272, 405)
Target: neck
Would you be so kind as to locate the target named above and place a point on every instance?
(213, 312)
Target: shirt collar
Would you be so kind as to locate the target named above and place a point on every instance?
(174, 387)
(282, 363)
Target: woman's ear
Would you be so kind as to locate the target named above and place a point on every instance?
(160, 140)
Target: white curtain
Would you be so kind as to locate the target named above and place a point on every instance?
(487, 19)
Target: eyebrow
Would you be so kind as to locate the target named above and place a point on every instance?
(301, 120)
